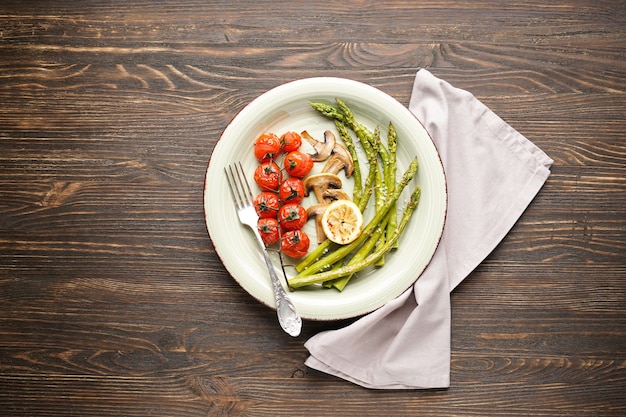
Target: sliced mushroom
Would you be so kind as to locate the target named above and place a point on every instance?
(322, 149)
(334, 194)
(340, 159)
(319, 183)
(316, 211)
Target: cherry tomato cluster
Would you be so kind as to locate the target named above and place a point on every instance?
(281, 217)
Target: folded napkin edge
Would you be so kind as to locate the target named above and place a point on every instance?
(418, 382)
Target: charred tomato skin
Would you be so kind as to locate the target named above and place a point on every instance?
(290, 141)
(268, 176)
(292, 216)
(295, 243)
(266, 204)
(298, 164)
(291, 190)
(267, 146)
(269, 230)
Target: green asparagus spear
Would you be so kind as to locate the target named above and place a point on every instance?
(356, 173)
(388, 179)
(361, 132)
(362, 253)
(337, 265)
(392, 144)
(379, 181)
(382, 186)
(305, 280)
(316, 254)
(342, 251)
(381, 176)
(327, 246)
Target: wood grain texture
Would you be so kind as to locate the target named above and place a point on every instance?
(112, 299)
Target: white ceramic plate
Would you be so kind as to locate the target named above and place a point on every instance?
(287, 108)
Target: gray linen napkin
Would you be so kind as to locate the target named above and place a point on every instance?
(492, 173)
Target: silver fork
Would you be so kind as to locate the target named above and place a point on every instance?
(240, 190)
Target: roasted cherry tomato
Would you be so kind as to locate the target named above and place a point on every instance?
(291, 190)
(291, 141)
(298, 164)
(268, 176)
(295, 243)
(268, 228)
(266, 146)
(292, 216)
(266, 204)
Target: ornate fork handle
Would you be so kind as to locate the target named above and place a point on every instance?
(288, 317)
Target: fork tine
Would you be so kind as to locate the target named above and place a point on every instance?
(245, 186)
(232, 186)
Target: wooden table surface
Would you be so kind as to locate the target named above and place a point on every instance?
(112, 299)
